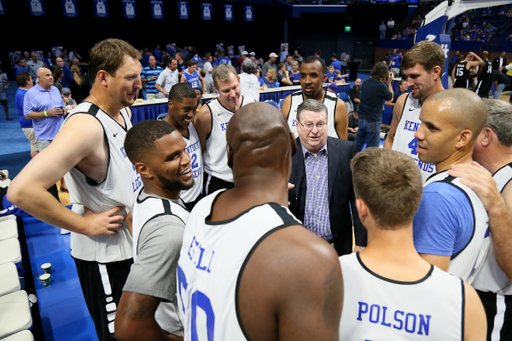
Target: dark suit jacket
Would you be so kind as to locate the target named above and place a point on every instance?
(496, 63)
(341, 193)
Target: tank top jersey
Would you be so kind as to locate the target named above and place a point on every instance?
(330, 102)
(491, 278)
(215, 158)
(192, 79)
(143, 211)
(468, 262)
(378, 308)
(211, 264)
(404, 140)
(487, 71)
(462, 75)
(119, 188)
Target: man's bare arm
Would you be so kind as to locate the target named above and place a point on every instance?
(159, 88)
(135, 319)
(203, 124)
(285, 109)
(341, 120)
(498, 208)
(78, 139)
(49, 113)
(397, 115)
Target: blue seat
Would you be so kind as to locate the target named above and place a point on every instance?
(343, 96)
(271, 102)
(281, 103)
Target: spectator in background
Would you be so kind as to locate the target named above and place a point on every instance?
(149, 76)
(373, 91)
(289, 63)
(500, 82)
(4, 84)
(283, 53)
(34, 64)
(157, 53)
(168, 77)
(208, 66)
(69, 102)
(487, 12)
(344, 59)
(26, 56)
(395, 61)
(25, 82)
(67, 75)
(240, 60)
(73, 54)
(283, 76)
(499, 61)
(270, 64)
(249, 83)
(80, 85)
(297, 56)
(57, 78)
(335, 62)
(192, 77)
(48, 60)
(355, 94)
(145, 57)
(455, 56)
(382, 30)
(391, 26)
(465, 23)
(207, 81)
(402, 89)
(295, 74)
(262, 84)
(21, 66)
(270, 80)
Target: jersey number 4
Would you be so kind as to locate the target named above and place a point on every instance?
(197, 300)
(412, 145)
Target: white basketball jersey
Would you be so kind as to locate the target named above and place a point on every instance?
(330, 102)
(469, 261)
(196, 161)
(215, 157)
(405, 141)
(119, 188)
(212, 262)
(491, 278)
(143, 211)
(377, 308)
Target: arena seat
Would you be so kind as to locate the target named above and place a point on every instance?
(24, 335)
(10, 251)
(14, 313)
(10, 281)
(8, 229)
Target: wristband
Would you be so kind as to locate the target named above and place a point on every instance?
(149, 79)
(45, 114)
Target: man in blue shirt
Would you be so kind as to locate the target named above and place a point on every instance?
(25, 83)
(335, 62)
(395, 59)
(149, 76)
(21, 66)
(67, 75)
(451, 224)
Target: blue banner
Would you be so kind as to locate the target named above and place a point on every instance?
(228, 12)
(36, 8)
(183, 9)
(100, 8)
(206, 11)
(69, 8)
(130, 12)
(2, 8)
(157, 9)
(249, 13)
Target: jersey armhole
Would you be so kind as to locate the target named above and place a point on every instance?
(211, 122)
(401, 114)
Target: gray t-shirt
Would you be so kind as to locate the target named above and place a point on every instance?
(154, 272)
(3, 82)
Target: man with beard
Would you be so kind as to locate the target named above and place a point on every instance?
(89, 151)
(312, 77)
(423, 65)
(169, 77)
(147, 310)
(355, 94)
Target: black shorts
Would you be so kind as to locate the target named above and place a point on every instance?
(102, 285)
(483, 88)
(498, 309)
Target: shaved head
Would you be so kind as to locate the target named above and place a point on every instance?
(41, 71)
(258, 137)
(466, 110)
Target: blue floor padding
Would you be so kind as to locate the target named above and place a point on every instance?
(64, 314)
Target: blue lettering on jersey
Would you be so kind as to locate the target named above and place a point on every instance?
(427, 167)
(137, 183)
(487, 233)
(122, 152)
(411, 126)
(193, 147)
(200, 257)
(410, 322)
(224, 126)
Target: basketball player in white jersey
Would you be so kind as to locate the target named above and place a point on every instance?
(147, 310)
(493, 150)
(182, 109)
(247, 268)
(211, 123)
(89, 150)
(423, 66)
(390, 292)
(450, 227)
(313, 75)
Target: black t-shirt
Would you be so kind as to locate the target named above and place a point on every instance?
(501, 78)
(373, 92)
(353, 94)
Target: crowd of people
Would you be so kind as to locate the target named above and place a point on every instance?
(251, 214)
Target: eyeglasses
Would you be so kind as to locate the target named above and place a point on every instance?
(309, 125)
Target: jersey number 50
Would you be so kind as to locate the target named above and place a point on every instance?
(198, 300)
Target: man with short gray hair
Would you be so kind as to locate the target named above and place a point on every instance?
(323, 192)
(493, 151)
(270, 63)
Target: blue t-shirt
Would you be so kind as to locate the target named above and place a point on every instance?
(261, 81)
(20, 69)
(444, 222)
(336, 64)
(148, 73)
(145, 60)
(331, 76)
(396, 62)
(67, 76)
(158, 54)
(270, 85)
(294, 77)
(18, 99)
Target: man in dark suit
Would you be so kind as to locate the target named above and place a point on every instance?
(499, 62)
(323, 192)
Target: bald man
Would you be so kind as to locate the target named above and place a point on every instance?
(450, 227)
(251, 268)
